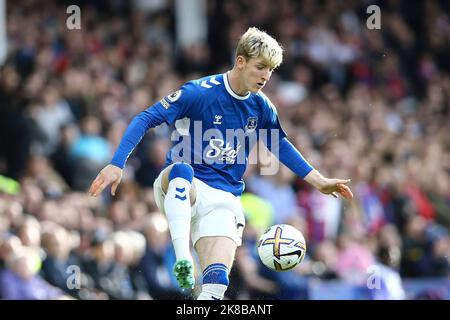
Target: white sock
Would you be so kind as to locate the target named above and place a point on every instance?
(177, 206)
(212, 291)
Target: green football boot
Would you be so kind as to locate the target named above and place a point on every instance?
(184, 272)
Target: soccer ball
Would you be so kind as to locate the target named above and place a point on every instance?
(281, 247)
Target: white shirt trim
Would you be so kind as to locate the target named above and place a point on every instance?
(230, 91)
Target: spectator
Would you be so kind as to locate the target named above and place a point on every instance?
(89, 152)
(20, 281)
(50, 116)
(57, 244)
(156, 264)
(388, 283)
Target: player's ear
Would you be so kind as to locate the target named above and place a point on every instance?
(240, 62)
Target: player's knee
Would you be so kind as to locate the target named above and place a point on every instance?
(181, 170)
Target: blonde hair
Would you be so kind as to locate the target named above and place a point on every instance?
(255, 43)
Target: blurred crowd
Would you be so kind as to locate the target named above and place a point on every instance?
(370, 105)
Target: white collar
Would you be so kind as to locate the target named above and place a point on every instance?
(230, 91)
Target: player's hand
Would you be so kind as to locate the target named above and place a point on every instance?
(330, 186)
(109, 175)
(337, 186)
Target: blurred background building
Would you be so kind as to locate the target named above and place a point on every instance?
(370, 105)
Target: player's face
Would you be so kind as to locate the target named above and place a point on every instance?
(255, 74)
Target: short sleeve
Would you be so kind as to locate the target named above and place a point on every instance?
(178, 104)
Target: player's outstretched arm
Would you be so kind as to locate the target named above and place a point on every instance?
(329, 186)
(108, 175)
(112, 173)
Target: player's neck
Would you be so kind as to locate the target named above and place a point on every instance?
(235, 82)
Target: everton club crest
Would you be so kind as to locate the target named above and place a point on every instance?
(252, 123)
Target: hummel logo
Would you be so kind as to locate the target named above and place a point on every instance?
(217, 120)
(180, 196)
(177, 196)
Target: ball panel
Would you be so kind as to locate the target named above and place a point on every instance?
(281, 247)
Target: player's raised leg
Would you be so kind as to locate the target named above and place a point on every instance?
(177, 185)
(216, 256)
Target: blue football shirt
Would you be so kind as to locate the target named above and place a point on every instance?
(216, 130)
